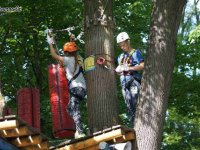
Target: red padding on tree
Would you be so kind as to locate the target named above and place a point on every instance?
(28, 106)
(63, 124)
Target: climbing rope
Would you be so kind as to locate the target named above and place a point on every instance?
(69, 29)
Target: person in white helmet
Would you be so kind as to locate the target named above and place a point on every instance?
(130, 62)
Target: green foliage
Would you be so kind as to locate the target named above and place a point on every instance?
(25, 54)
(194, 36)
(181, 130)
(133, 17)
(182, 121)
(24, 59)
(24, 50)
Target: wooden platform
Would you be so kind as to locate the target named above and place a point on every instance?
(16, 132)
(115, 134)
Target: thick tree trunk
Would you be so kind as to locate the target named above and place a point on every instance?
(157, 75)
(101, 82)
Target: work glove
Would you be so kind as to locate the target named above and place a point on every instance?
(118, 69)
(125, 67)
(50, 39)
(122, 68)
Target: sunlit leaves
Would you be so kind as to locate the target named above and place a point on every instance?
(194, 36)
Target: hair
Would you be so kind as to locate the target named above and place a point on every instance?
(73, 54)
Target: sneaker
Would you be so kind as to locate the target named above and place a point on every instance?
(79, 135)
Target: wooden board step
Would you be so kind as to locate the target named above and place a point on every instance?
(15, 131)
(115, 134)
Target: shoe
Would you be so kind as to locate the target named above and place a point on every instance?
(79, 135)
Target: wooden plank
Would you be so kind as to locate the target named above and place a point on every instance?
(94, 147)
(107, 130)
(9, 124)
(124, 138)
(97, 133)
(127, 129)
(17, 132)
(41, 146)
(95, 140)
(44, 145)
(27, 141)
(129, 134)
(4, 145)
(8, 117)
(127, 137)
(32, 129)
(116, 127)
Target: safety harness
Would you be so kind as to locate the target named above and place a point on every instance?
(80, 63)
(127, 60)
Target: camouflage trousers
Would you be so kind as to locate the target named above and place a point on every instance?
(131, 96)
(77, 94)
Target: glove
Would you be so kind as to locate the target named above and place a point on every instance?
(118, 69)
(122, 68)
(125, 67)
(50, 40)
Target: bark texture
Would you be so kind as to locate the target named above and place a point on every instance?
(157, 75)
(101, 82)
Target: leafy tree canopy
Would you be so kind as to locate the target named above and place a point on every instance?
(24, 57)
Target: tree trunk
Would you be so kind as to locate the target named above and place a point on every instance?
(101, 82)
(2, 102)
(157, 75)
(196, 11)
(36, 62)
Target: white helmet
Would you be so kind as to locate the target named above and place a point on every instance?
(123, 36)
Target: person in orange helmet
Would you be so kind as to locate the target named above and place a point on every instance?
(76, 81)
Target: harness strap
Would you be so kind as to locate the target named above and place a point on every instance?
(128, 58)
(75, 76)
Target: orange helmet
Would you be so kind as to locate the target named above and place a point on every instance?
(70, 47)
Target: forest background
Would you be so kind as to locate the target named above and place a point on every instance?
(25, 57)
